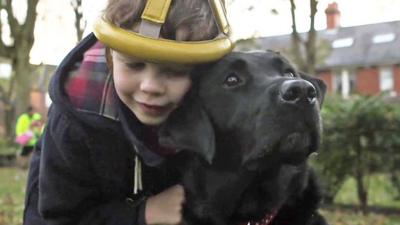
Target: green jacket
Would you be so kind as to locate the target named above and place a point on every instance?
(24, 123)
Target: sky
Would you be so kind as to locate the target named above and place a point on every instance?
(55, 35)
(259, 21)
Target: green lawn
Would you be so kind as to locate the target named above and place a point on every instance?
(12, 190)
(381, 192)
(8, 149)
(346, 217)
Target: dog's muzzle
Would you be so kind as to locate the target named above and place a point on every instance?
(299, 92)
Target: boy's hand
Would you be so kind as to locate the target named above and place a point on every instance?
(165, 207)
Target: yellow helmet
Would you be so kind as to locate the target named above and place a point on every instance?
(148, 46)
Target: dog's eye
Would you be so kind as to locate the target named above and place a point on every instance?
(289, 73)
(232, 80)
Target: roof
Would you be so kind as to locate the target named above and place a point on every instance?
(362, 50)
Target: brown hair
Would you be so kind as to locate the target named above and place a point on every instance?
(188, 20)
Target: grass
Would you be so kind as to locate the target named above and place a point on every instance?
(381, 192)
(13, 180)
(12, 192)
(348, 217)
(7, 149)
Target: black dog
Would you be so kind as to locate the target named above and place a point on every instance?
(246, 133)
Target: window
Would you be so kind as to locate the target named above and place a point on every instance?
(386, 82)
(344, 42)
(5, 70)
(337, 83)
(383, 38)
(344, 82)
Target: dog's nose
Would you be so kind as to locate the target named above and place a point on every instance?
(298, 92)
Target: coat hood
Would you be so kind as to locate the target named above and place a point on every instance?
(83, 83)
(82, 87)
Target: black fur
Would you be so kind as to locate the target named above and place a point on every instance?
(246, 132)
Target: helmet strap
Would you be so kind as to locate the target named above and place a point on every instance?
(153, 17)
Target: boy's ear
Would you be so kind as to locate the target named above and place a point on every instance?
(318, 84)
(189, 129)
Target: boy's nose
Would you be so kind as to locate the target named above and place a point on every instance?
(152, 85)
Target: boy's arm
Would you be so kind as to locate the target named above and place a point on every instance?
(69, 191)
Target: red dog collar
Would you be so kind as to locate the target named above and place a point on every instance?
(267, 220)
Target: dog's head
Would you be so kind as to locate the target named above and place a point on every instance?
(255, 104)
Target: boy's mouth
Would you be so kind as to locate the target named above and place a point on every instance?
(154, 110)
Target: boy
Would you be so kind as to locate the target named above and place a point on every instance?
(96, 161)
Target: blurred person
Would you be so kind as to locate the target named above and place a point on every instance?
(27, 131)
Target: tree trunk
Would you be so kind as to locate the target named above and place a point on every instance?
(23, 36)
(22, 86)
(9, 118)
(19, 99)
(362, 190)
(22, 83)
(395, 179)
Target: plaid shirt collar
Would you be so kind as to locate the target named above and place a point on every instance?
(90, 87)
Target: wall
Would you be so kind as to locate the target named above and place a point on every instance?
(396, 75)
(367, 81)
(326, 76)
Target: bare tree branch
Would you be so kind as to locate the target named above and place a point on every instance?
(304, 50)
(5, 51)
(293, 14)
(77, 7)
(297, 41)
(312, 39)
(30, 20)
(14, 25)
(2, 44)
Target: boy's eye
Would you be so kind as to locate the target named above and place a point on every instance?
(175, 72)
(136, 65)
(232, 80)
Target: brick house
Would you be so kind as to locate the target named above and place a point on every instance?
(361, 59)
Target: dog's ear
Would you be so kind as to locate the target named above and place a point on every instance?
(318, 84)
(189, 129)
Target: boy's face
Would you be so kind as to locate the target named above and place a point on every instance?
(152, 91)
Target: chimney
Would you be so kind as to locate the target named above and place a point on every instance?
(332, 16)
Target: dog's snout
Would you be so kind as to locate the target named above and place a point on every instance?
(298, 92)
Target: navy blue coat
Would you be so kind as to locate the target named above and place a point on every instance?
(82, 171)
